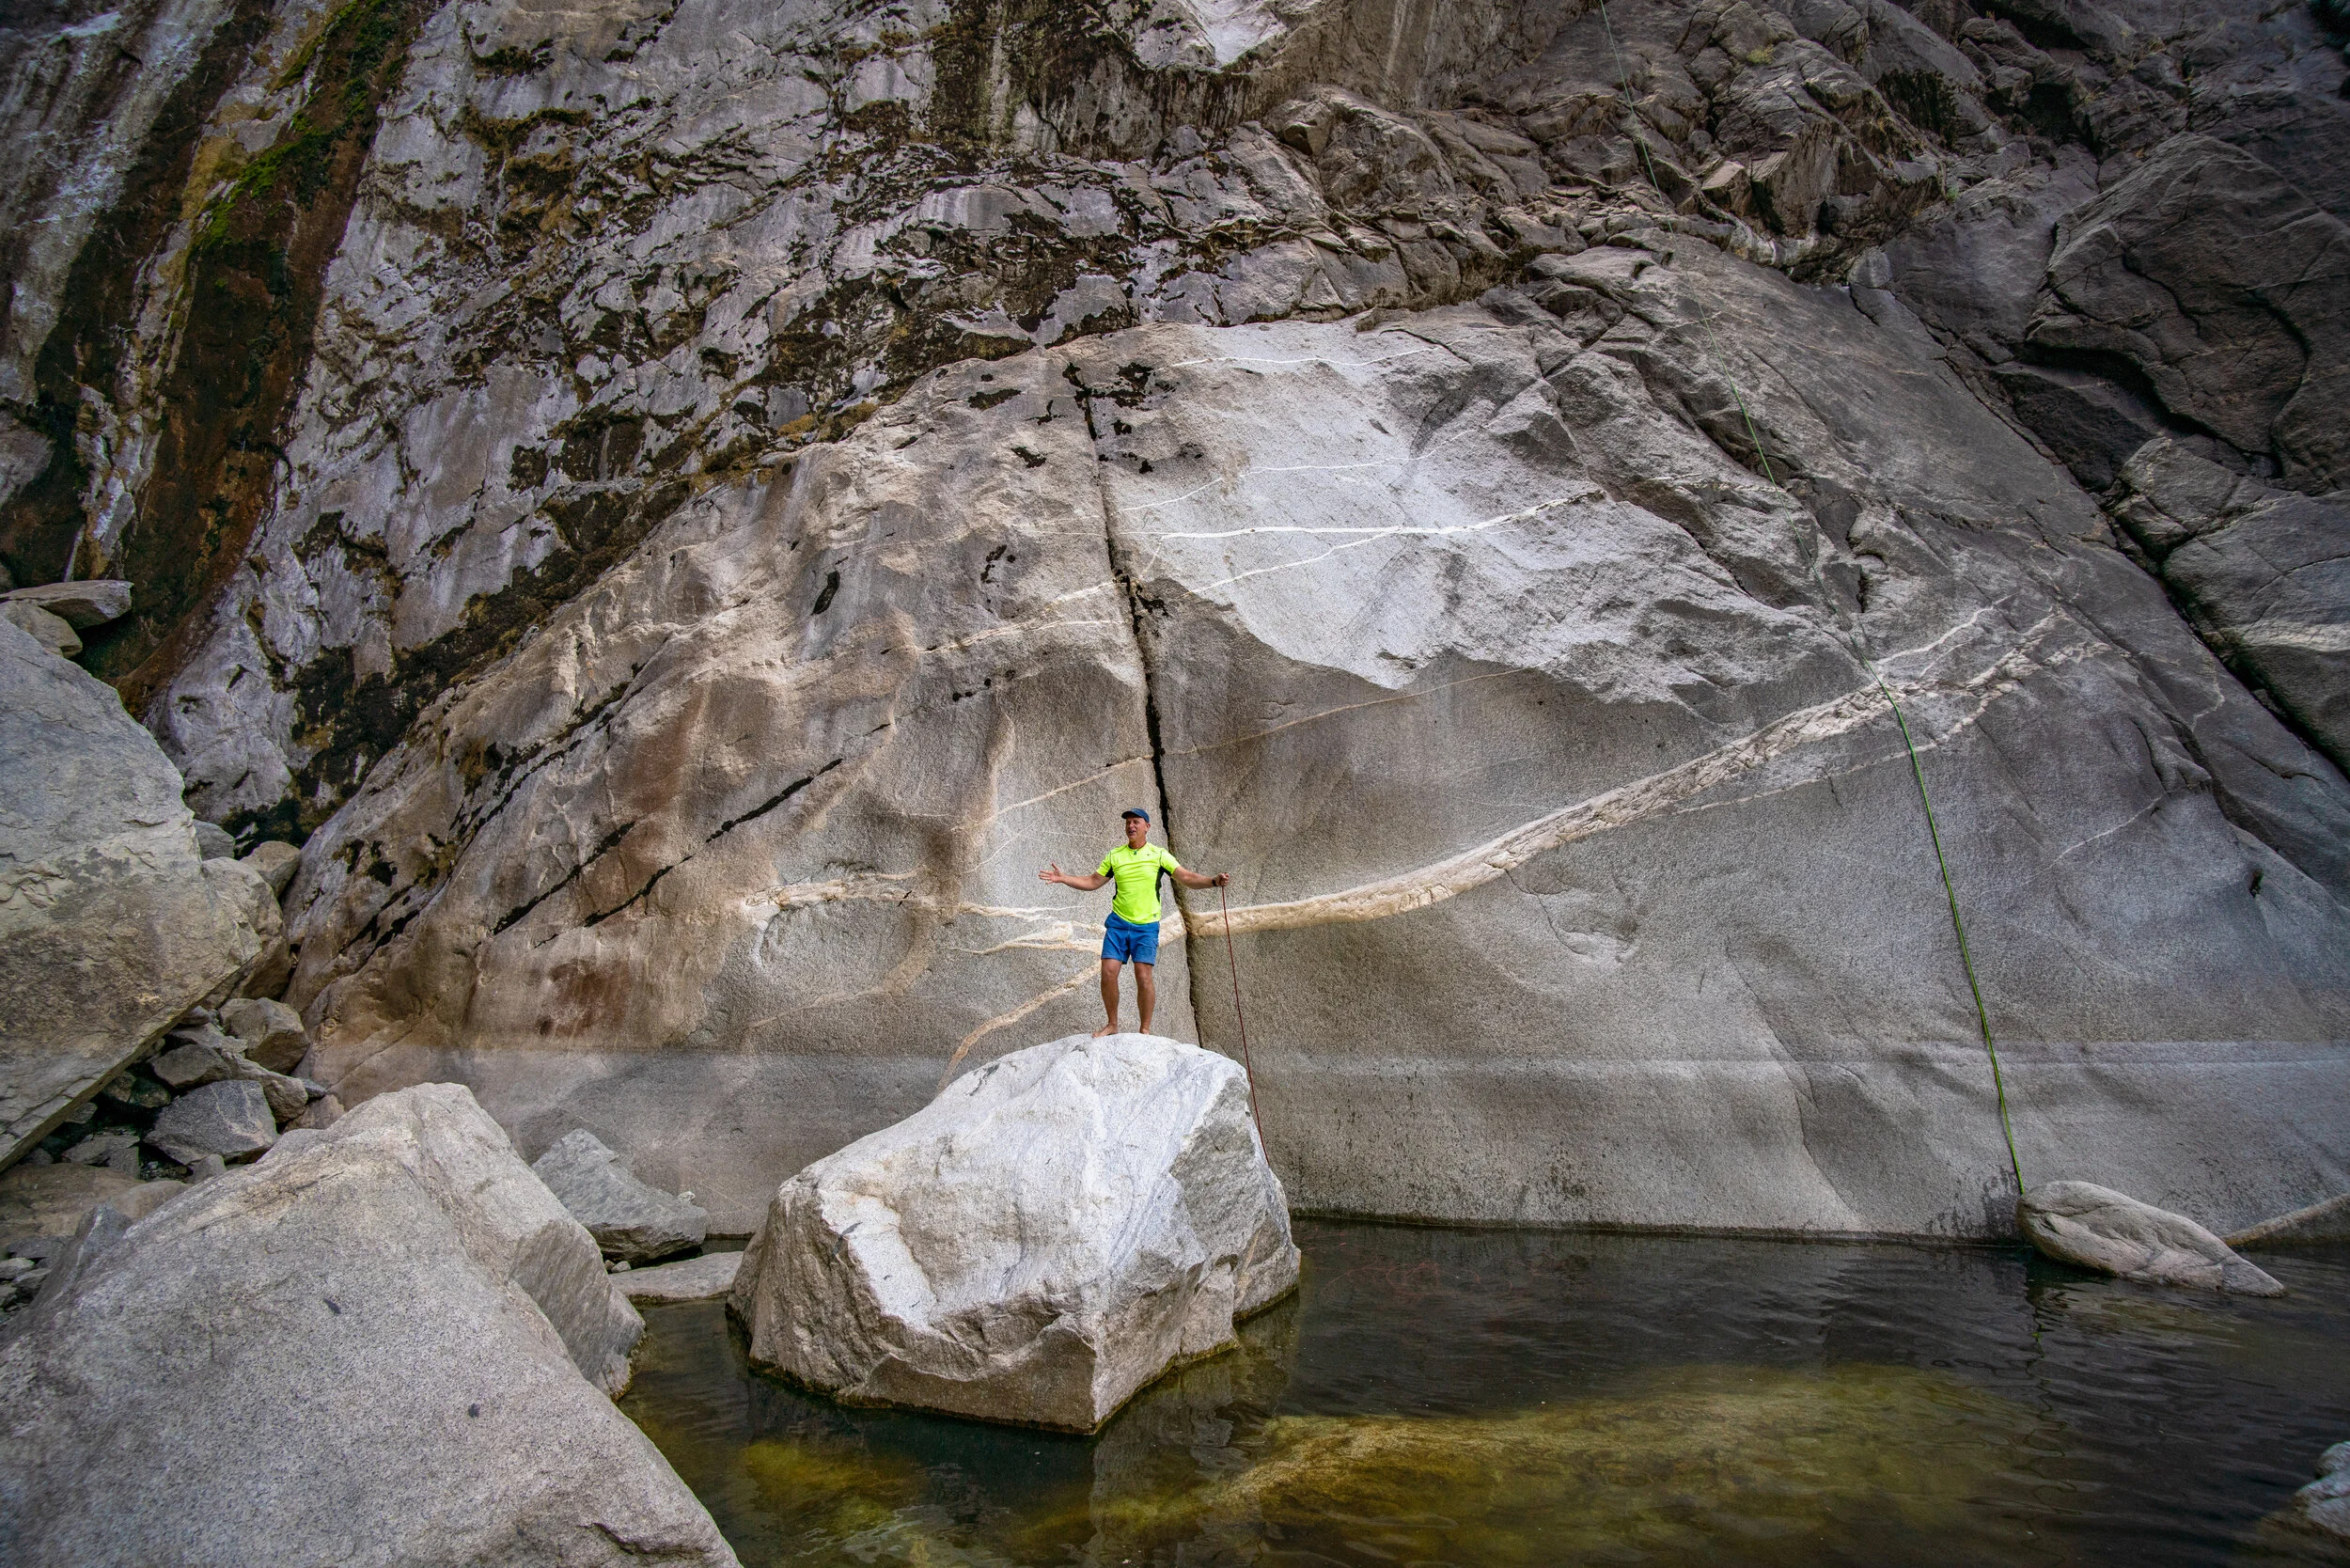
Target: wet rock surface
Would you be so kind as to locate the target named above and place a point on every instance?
(2111, 1232)
(434, 1400)
(1052, 1232)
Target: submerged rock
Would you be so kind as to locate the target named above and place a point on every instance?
(1659, 1470)
(2096, 1227)
(630, 1220)
(418, 1409)
(111, 925)
(1050, 1234)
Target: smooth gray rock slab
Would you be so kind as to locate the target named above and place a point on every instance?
(80, 605)
(2096, 1227)
(111, 926)
(2325, 1221)
(231, 1119)
(1049, 1234)
(214, 841)
(420, 1409)
(702, 1278)
(270, 1033)
(630, 1221)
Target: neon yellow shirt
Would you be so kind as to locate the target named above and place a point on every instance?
(1136, 873)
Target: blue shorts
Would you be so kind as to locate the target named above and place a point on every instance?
(1124, 942)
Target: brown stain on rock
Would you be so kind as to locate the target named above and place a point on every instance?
(255, 277)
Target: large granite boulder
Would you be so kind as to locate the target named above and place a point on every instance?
(396, 1401)
(1050, 1234)
(513, 1229)
(2111, 1232)
(630, 1220)
(111, 924)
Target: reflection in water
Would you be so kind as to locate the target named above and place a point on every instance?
(1513, 1399)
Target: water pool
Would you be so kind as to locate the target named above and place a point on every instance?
(1516, 1399)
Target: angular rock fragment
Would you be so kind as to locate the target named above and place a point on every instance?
(1050, 1234)
(270, 1033)
(231, 1119)
(274, 862)
(118, 1149)
(2099, 1228)
(195, 1057)
(432, 1415)
(53, 633)
(214, 841)
(630, 1220)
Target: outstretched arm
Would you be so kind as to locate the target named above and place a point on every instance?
(1194, 879)
(1082, 883)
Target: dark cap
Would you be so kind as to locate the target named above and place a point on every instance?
(1134, 811)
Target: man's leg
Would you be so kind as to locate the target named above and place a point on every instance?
(1145, 991)
(1109, 999)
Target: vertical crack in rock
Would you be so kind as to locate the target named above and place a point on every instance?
(1139, 606)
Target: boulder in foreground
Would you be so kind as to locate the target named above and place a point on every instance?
(1050, 1234)
(417, 1408)
(514, 1230)
(630, 1221)
(2096, 1227)
(111, 924)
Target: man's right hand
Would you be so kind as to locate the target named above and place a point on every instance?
(1052, 874)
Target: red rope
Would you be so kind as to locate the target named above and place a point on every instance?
(1234, 960)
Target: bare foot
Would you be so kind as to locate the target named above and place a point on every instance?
(1110, 1027)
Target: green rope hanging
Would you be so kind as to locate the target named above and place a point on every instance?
(1916, 766)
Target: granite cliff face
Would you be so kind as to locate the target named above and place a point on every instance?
(688, 505)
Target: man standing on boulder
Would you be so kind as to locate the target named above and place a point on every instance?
(1131, 935)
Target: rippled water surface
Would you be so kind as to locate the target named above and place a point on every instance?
(1527, 1399)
